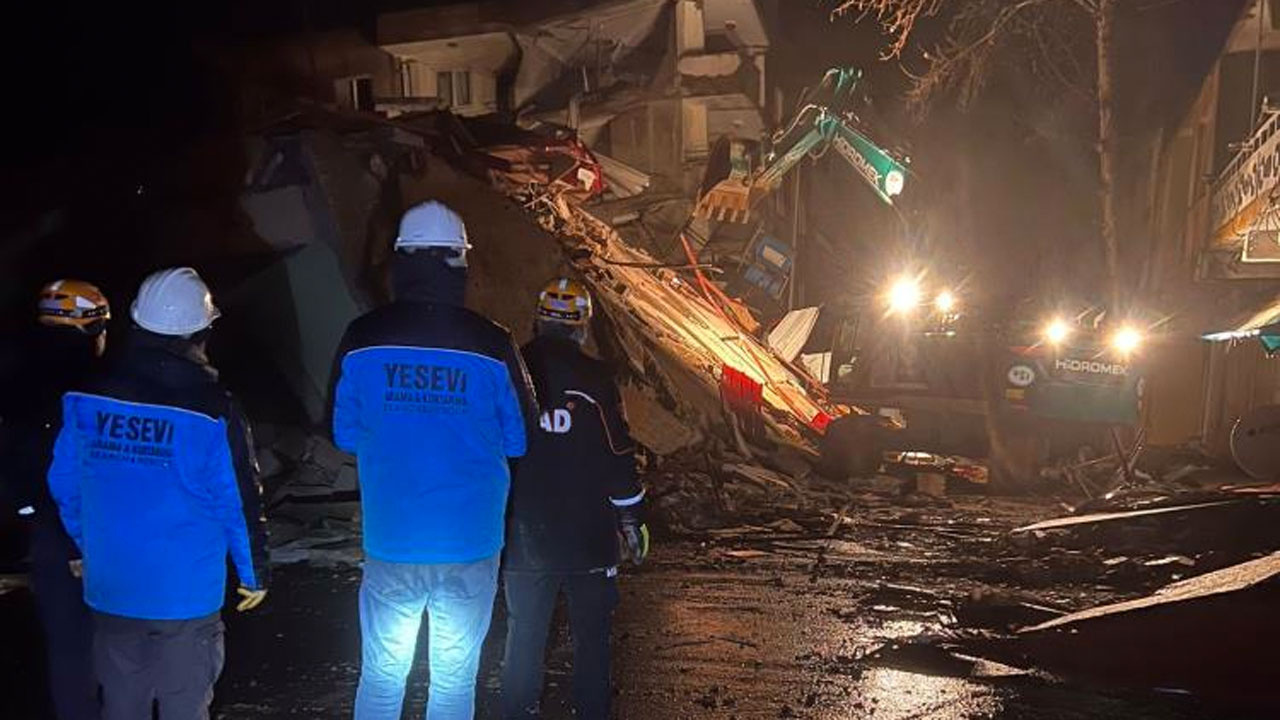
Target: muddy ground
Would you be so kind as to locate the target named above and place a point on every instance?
(765, 622)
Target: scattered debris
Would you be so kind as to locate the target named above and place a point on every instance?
(1186, 635)
(1075, 520)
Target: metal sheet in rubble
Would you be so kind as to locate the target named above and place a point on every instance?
(1227, 580)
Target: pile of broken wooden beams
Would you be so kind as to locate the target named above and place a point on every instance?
(662, 319)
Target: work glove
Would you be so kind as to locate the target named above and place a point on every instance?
(252, 598)
(635, 536)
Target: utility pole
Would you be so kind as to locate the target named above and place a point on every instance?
(793, 293)
(1107, 148)
(1257, 69)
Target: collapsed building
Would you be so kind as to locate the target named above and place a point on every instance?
(571, 141)
(454, 85)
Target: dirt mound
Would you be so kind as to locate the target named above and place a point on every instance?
(512, 257)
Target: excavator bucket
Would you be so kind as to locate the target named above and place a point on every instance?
(725, 193)
(726, 201)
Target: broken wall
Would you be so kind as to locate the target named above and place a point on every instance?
(483, 57)
(297, 310)
(650, 138)
(601, 37)
(514, 257)
(326, 203)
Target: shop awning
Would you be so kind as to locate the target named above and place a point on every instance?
(1263, 324)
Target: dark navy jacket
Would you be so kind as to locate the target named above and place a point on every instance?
(580, 468)
(52, 361)
(432, 399)
(155, 481)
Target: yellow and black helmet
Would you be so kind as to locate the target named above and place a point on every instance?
(73, 304)
(564, 301)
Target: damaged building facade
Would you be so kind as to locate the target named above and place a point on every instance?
(1215, 258)
(648, 82)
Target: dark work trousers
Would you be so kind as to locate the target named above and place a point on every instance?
(531, 599)
(171, 663)
(65, 619)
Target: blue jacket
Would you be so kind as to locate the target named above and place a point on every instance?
(155, 483)
(432, 399)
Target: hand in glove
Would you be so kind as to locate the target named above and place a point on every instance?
(252, 598)
(635, 537)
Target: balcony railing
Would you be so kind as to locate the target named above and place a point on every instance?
(1251, 174)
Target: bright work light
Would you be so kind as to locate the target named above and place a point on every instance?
(1057, 332)
(894, 182)
(945, 303)
(1126, 340)
(904, 295)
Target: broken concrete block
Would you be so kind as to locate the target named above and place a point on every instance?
(653, 425)
(931, 484)
(887, 485)
(790, 460)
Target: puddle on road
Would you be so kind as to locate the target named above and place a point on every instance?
(898, 694)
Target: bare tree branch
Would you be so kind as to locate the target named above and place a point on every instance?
(896, 17)
(962, 62)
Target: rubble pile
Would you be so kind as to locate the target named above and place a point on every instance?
(311, 498)
(667, 317)
(702, 490)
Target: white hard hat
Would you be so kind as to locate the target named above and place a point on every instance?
(432, 225)
(174, 301)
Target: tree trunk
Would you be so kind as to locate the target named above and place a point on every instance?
(1107, 150)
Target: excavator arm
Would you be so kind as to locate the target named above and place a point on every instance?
(815, 137)
(819, 124)
(886, 176)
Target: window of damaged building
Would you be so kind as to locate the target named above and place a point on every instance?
(355, 93)
(454, 87)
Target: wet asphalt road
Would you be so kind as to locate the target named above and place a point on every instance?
(769, 623)
(755, 623)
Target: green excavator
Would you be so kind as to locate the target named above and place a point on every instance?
(997, 386)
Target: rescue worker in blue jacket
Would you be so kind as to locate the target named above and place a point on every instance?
(156, 483)
(63, 352)
(575, 492)
(432, 399)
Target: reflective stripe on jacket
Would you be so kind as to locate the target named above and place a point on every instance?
(579, 470)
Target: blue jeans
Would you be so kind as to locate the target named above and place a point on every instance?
(458, 599)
